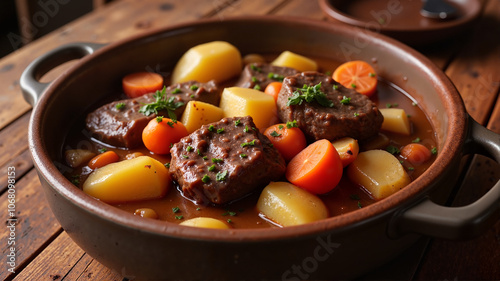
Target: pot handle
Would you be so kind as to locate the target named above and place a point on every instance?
(31, 87)
(428, 218)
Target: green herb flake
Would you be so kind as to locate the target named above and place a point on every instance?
(254, 79)
(243, 155)
(205, 157)
(221, 176)
(246, 129)
(217, 160)
(251, 143)
(257, 87)
(356, 114)
(193, 87)
(211, 128)
(292, 124)
(179, 217)
(281, 127)
(371, 74)
(176, 91)
(328, 73)
(185, 156)
(417, 140)
(309, 94)
(220, 131)
(335, 87)
(189, 148)
(229, 221)
(162, 102)
(171, 124)
(237, 122)
(229, 213)
(198, 152)
(275, 76)
(205, 179)
(211, 168)
(411, 169)
(176, 209)
(345, 100)
(359, 205)
(167, 165)
(198, 209)
(434, 150)
(255, 68)
(120, 105)
(392, 149)
(192, 96)
(275, 134)
(102, 150)
(353, 86)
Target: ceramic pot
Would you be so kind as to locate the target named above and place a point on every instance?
(327, 249)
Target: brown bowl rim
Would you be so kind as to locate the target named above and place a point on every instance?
(49, 172)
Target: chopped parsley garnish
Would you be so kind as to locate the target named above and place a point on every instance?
(185, 156)
(359, 205)
(275, 134)
(251, 143)
(162, 102)
(221, 176)
(120, 105)
(205, 157)
(371, 74)
(257, 87)
(353, 86)
(220, 131)
(345, 100)
(176, 209)
(193, 87)
(102, 150)
(335, 87)
(198, 151)
(179, 217)
(281, 127)
(176, 91)
(237, 122)
(391, 105)
(255, 68)
(211, 168)
(167, 165)
(205, 179)
(292, 124)
(217, 160)
(411, 169)
(211, 128)
(309, 94)
(229, 213)
(356, 114)
(246, 129)
(254, 79)
(434, 150)
(171, 124)
(392, 149)
(275, 76)
(416, 140)
(192, 96)
(189, 148)
(159, 119)
(243, 155)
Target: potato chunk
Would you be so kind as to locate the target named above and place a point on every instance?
(379, 172)
(199, 113)
(239, 102)
(396, 121)
(348, 150)
(77, 157)
(295, 61)
(287, 204)
(217, 60)
(128, 180)
(205, 223)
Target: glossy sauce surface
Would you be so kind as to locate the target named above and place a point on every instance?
(346, 197)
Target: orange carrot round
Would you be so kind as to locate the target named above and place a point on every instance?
(416, 153)
(161, 133)
(140, 83)
(103, 159)
(273, 89)
(357, 75)
(289, 140)
(317, 168)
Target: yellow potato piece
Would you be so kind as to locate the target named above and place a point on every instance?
(199, 113)
(379, 172)
(128, 180)
(205, 222)
(239, 102)
(287, 204)
(295, 61)
(78, 157)
(348, 150)
(217, 60)
(396, 121)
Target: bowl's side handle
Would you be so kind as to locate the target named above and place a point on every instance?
(31, 87)
(428, 218)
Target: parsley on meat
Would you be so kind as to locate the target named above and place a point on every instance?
(162, 102)
(309, 94)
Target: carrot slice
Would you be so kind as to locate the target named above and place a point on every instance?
(357, 75)
(287, 139)
(141, 83)
(161, 133)
(317, 168)
(416, 153)
(103, 159)
(273, 89)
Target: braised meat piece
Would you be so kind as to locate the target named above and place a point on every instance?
(225, 161)
(120, 123)
(345, 112)
(259, 75)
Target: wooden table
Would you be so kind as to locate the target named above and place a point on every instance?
(45, 252)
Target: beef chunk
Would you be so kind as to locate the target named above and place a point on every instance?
(357, 116)
(120, 123)
(259, 75)
(224, 161)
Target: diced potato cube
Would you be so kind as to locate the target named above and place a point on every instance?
(199, 113)
(77, 157)
(217, 60)
(295, 61)
(396, 121)
(287, 204)
(377, 142)
(379, 172)
(128, 180)
(348, 150)
(239, 102)
(205, 223)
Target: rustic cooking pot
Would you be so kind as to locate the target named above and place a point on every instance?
(339, 247)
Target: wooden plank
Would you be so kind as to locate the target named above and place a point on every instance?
(14, 139)
(21, 164)
(301, 8)
(35, 224)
